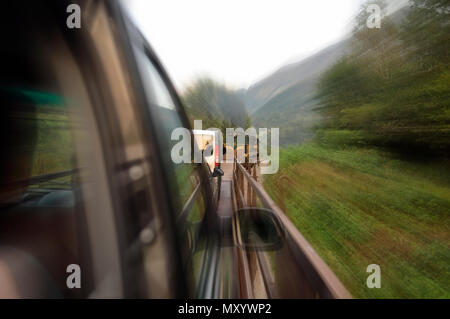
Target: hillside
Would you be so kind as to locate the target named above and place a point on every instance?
(215, 104)
(286, 98)
(305, 71)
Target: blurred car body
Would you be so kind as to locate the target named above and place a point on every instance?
(86, 174)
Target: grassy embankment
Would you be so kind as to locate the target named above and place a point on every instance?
(361, 206)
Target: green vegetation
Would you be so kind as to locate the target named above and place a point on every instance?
(393, 89)
(373, 187)
(54, 148)
(361, 206)
(214, 104)
(38, 135)
(291, 110)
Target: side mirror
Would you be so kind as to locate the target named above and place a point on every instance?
(258, 229)
(217, 172)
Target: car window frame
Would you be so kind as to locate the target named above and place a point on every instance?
(135, 37)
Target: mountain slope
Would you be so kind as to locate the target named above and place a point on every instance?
(285, 99)
(304, 71)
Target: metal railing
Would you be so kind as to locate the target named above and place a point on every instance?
(296, 270)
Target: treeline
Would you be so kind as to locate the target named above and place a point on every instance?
(215, 104)
(393, 89)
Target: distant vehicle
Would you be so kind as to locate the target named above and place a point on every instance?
(209, 144)
(91, 204)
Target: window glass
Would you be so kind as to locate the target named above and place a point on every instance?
(166, 118)
(187, 194)
(37, 223)
(40, 197)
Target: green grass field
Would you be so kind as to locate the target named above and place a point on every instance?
(365, 206)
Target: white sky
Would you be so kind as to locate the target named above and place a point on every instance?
(238, 41)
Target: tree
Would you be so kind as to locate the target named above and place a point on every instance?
(379, 47)
(215, 104)
(392, 90)
(426, 33)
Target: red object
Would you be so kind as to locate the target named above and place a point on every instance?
(216, 156)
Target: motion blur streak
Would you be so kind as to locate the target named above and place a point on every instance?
(93, 206)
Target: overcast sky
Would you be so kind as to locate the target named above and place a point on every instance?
(238, 41)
